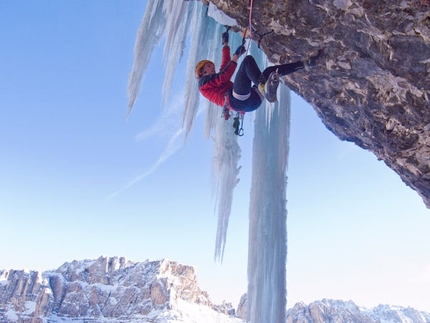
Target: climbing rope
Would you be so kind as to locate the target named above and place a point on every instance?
(250, 18)
(260, 37)
(249, 28)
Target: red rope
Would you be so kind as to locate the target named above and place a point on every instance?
(249, 27)
(250, 19)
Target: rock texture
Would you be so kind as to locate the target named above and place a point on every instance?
(372, 87)
(101, 289)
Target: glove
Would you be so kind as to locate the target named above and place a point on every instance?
(226, 113)
(225, 37)
(240, 50)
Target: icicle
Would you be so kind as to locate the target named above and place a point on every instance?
(225, 171)
(172, 18)
(226, 150)
(267, 218)
(150, 31)
(179, 16)
(226, 156)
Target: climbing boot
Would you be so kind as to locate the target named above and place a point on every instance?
(261, 88)
(261, 84)
(271, 87)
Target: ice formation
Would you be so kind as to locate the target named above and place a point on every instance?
(267, 247)
(186, 23)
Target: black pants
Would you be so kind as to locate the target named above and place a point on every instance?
(246, 97)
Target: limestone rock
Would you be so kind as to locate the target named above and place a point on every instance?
(105, 288)
(373, 86)
(241, 308)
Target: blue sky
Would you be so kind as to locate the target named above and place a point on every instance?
(355, 231)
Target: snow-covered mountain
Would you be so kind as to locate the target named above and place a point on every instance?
(109, 290)
(118, 290)
(336, 311)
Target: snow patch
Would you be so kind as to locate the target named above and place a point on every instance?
(193, 313)
(3, 278)
(29, 308)
(220, 17)
(12, 316)
(104, 288)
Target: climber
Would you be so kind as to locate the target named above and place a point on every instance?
(241, 95)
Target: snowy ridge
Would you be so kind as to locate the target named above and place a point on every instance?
(339, 311)
(394, 314)
(108, 290)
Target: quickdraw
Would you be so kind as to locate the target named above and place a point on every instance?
(238, 124)
(260, 37)
(237, 121)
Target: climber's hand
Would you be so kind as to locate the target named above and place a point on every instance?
(240, 50)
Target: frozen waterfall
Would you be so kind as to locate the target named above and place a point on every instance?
(267, 246)
(186, 24)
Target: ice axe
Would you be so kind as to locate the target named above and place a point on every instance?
(225, 35)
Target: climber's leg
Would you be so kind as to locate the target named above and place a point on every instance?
(284, 69)
(248, 72)
(289, 68)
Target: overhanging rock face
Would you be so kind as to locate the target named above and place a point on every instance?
(372, 87)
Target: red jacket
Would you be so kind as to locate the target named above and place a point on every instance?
(215, 86)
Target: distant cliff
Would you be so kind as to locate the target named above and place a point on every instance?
(335, 311)
(373, 86)
(107, 290)
(338, 311)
